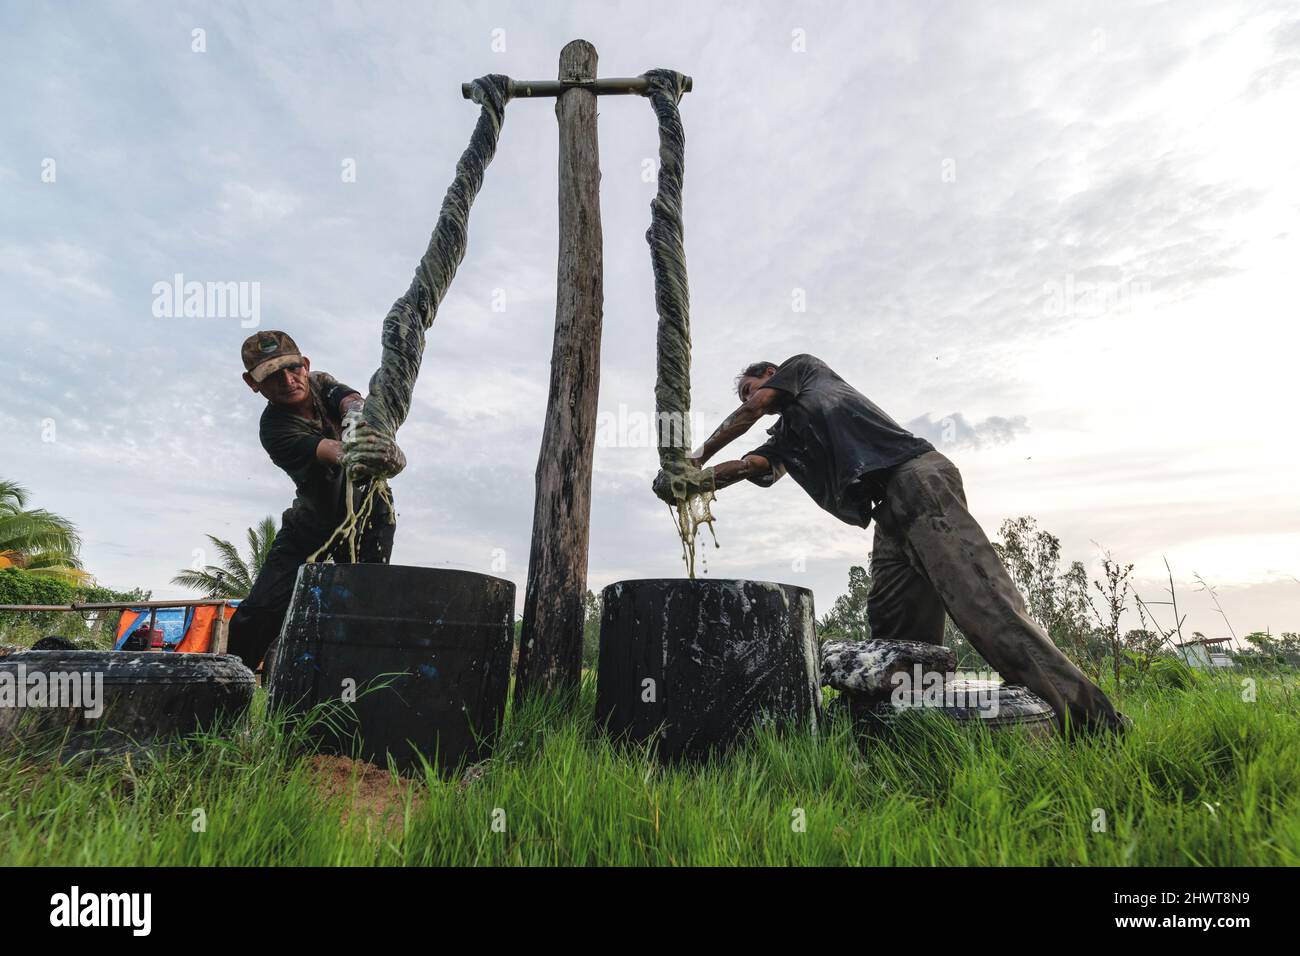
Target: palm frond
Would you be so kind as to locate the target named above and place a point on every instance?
(213, 582)
(69, 575)
(234, 577)
(37, 530)
(37, 540)
(231, 559)
(260, 540)
(51, 560)
(13, 496)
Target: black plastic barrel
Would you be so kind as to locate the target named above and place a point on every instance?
(107, 701)
(425, 652)
(700, 662)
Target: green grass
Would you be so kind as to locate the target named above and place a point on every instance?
(1205, 779)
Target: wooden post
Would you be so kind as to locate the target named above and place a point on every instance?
(550, 651)
(220, 632)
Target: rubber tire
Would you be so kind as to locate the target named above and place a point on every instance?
(147, 697)
(55, 643)
(268, 662)
(1018, 710)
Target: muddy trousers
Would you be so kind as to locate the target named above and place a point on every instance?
(930, 557)
(259, 617)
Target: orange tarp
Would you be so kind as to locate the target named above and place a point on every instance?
(198, 636)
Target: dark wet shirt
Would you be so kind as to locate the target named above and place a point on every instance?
(291, 441)
(833, 440)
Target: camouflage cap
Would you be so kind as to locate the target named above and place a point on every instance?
(265, 353)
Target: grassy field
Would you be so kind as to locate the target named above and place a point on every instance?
(1205, 779)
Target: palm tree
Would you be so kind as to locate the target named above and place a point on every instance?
(37, 540)
(234, 577)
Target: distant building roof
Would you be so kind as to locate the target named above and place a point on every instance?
(1205, 640)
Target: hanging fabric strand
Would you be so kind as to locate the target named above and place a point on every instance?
(391, 387)
(692, 487)
(389, 400)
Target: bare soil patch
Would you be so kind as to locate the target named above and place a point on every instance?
(369, 793)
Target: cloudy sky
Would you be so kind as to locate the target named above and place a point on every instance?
(1058, 239)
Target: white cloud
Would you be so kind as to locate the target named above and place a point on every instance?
(1103, 144)
(57, 269)
(242, 204)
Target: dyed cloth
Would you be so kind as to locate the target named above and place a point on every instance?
(391, 386)
(402, 338)
(672, 293)
(869, 667)
(692, 487)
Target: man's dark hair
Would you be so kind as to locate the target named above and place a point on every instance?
(750, 371)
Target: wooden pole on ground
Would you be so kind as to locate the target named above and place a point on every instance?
(550, 650)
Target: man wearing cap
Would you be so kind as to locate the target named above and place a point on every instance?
(303, 428)
(930, 557)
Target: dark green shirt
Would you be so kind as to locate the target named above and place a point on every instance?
(291, 441)
(833, 440)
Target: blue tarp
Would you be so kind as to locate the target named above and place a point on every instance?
(172, 621)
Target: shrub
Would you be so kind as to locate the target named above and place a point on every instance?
(22, 587)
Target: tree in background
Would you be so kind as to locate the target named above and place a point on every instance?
(234, 577)
(1032, 557)
(1283, 649)
(591, 607)
(967, 657)
(36, 540)
(847, 621)
(1056, 599)
(1114, 590)
(1059, 599)
(847, 618)
(26, 587)
(1145, 646)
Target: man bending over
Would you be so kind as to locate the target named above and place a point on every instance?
(930, 556)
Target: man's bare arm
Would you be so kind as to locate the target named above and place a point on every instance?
(763, 401)
(729, 472)
(329, 451)
(719, 476)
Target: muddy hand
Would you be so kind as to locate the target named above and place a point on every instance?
(367, 454)
(674, 487)
(662, 486)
